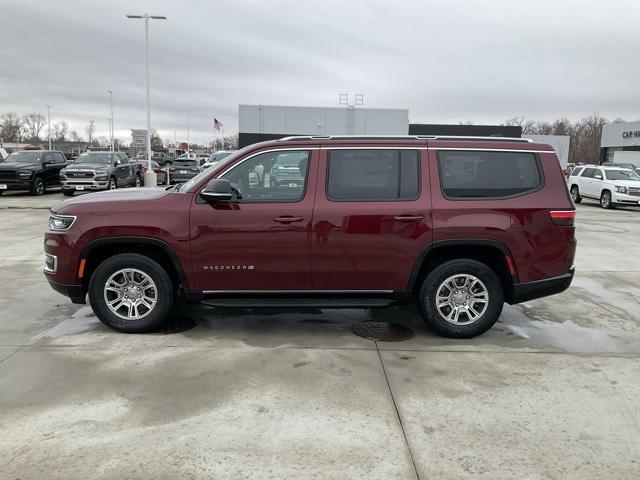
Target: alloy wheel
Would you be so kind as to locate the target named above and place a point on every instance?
(130, 294)
(462, 299)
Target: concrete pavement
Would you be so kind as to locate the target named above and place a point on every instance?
(550, 392)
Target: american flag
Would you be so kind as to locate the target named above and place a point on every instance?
(217, 124)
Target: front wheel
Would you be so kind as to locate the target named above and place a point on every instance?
(575, 194)
(461, 298)
(131, 293)
(37, 186)
(112, 185)
(138, 181)
(605, 199)
(67, 193)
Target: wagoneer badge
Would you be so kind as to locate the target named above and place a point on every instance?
(228, 267)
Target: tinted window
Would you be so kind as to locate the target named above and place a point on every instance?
(621, 175)
(576, 171)
(589, 172)
(370, 175)
(271, 177)
(487, 174)
(25, 156)
(123, 158)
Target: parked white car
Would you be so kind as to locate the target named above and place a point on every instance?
(216, 157)
(611, 186)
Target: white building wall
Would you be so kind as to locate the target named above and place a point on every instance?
(322, 120)
(621, 135)
(560, 144)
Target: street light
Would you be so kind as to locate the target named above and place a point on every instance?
(49, 124)
(111, 119)
(150, 178)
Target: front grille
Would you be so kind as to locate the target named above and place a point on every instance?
(634, 192)
(79, 174)
(8, 175)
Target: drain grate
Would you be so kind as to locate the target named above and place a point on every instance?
(382, 331)
(178, 324)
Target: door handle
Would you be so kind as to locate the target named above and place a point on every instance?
(287, 219)
(408, 218)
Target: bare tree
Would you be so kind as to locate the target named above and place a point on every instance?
(91, 128)
(156, 141)
(33, 124)
(528, 126)
(59, 131)
(74, 136)
(10, 127)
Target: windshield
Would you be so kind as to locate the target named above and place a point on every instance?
(185, 187)
(216, 157)
(25, 157)
(621, 175)
(103, 158)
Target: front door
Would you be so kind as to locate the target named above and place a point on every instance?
(371, 218)
(261, 240)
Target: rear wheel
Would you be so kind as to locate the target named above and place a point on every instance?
(461, 298)
(37, 186)
(131, 293)
(605, 199)
(575, 194)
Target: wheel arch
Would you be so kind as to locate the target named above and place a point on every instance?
(492, 253)
(96, 251)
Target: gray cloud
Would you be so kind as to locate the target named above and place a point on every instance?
(446, 61)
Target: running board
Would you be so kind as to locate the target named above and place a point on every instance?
(298, 302)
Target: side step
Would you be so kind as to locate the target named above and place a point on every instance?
(298, 302)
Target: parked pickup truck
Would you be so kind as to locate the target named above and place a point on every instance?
(32, 170)
(100, 171)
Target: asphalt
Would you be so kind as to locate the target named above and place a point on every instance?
(551, 392)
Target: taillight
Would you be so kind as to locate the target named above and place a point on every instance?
(565, 218)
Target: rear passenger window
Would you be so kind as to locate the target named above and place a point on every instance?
(373, 175)
(468, 174)
(589, 172)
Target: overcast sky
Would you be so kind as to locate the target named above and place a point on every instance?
(445, 61)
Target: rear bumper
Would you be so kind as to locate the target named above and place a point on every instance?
(74, 292)
(523, 292)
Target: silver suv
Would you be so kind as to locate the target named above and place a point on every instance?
(98, 171)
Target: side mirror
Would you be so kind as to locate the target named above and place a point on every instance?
(117, 161)
(217, 190)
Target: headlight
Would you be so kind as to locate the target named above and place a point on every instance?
(25, 174)
(621, 189)
(61, 222)
(63, 171)
(100, 177)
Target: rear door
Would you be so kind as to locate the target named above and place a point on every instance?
(587, 182)
(372, 217)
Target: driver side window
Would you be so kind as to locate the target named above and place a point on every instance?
(271, 177)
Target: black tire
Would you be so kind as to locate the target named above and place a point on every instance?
(435, 319)
(113, 183)
(67, 193)
(164, 294)
(38, 186)
(575, 194)
(138, 181)
(605, 200)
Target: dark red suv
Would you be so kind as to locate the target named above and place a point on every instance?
(458, 225)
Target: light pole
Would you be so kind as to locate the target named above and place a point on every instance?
(188, 121)
(49, 124)
(111, 122)
(150, 178)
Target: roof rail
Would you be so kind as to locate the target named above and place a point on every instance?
(403, 137)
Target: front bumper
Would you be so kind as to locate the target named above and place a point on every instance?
(74, 292)
(17, 184)
(84, 184)
(625, 199)
(523, 292)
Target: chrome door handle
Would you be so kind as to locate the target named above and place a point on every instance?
(287, 219)
(408, 218)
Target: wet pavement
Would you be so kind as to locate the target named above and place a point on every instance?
(551, 391)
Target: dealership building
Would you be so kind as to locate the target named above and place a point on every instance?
(619, 137)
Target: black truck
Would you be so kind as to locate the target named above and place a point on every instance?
(32, 170)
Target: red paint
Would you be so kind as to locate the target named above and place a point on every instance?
(332, 245)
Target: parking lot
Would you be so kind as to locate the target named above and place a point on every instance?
(551, 391)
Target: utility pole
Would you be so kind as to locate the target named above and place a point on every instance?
(188, 121)
(111, 119)
(49, 124)
(150, 177)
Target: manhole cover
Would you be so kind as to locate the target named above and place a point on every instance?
(382, 331)
(178, 324)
